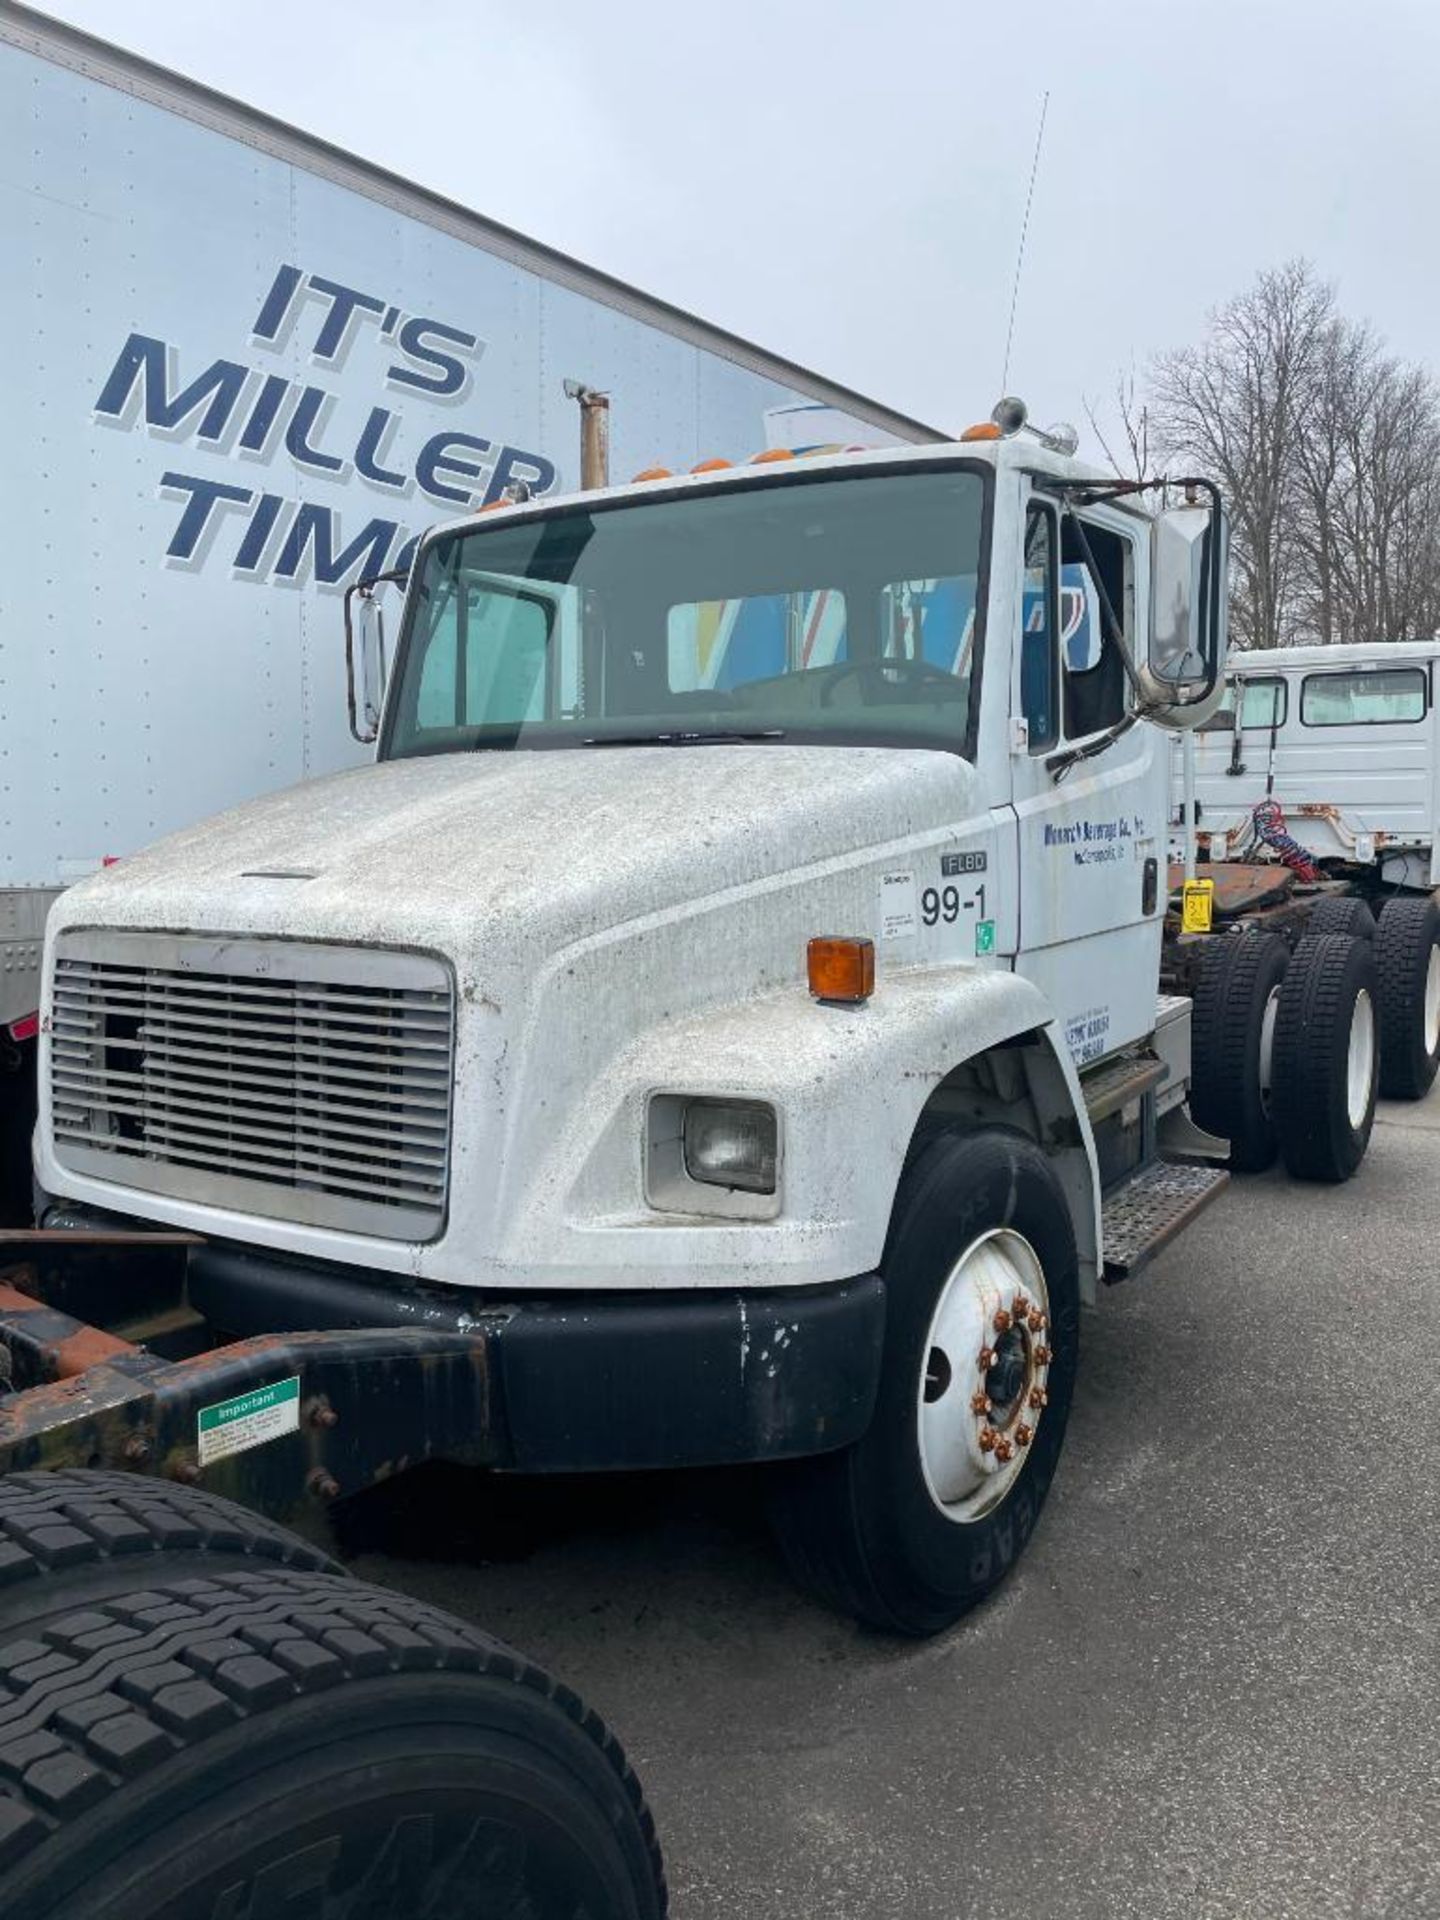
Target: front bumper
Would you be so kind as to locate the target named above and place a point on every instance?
(391, 1376)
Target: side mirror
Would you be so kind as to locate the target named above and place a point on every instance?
(367, 662)
(1189, 553)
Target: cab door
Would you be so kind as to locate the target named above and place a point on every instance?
(1091, 829)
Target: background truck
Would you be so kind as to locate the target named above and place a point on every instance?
(727, 1024)
(284, 365)
(1316, 793)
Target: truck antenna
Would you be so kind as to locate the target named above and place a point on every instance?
(1024, 232)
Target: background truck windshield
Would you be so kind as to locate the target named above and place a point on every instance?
(841, 610)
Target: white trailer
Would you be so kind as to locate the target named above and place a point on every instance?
(1346, 741)
(245, 369)
(730, 1022)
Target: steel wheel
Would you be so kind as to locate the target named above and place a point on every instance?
(982, 1388)
(1360, 1064)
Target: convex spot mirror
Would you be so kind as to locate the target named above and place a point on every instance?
(1187, 631)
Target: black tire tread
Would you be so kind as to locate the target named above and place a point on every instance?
(1230, 968)
(1402, 953)
(96, 1699)
(1342, 913)
(52, 1522)
(1311, 1002)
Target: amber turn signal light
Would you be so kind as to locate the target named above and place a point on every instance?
(841, 969)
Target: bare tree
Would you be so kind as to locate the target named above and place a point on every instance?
(1127, 444)
(1232, 408)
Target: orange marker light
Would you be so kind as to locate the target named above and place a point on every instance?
(709, 466)
(652, 473)
(841, 969)
(986, 430)
(771, 453)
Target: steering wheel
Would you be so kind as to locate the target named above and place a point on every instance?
(900, 677)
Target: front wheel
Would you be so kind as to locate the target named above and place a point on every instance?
(923, 1517)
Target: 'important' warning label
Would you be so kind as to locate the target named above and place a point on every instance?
(249, 1420)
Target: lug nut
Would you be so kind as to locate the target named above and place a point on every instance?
(322, 1414)
(981, 1404)
(1001, 1322)
(323, 1485)
(1039, 1397)
(1042, 1356)
(1035, 1320)
(989, 1439)
(1003, 1450)
(1023, 1435)
(137, 1448)
(987, 1359)
(1019, 1306)
(186, 1471)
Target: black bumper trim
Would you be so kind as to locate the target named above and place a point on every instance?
(605, 1382)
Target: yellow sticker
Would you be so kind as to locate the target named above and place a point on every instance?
(1197, 906)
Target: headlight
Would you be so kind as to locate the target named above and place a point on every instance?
(731, 1143)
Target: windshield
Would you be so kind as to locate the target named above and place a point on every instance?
(819, 610)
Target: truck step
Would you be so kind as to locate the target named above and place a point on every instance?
(1150, 1208)
(1110, 1087)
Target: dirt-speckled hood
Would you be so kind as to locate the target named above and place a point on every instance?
(443, 850)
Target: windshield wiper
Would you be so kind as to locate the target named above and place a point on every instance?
(680, 738)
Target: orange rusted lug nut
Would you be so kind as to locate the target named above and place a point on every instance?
(1039, 1397)
(981, 1403)
(1004, 1450)
(988, 1439)
(1001, 1322)
(1019, 1307)
(1035, 1320)
(1023, 1435)
(1042, 1356)
(987, 1359)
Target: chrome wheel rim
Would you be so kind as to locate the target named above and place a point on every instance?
(1360, 1064)
(983, 1388)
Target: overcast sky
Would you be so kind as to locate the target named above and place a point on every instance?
(844, 183)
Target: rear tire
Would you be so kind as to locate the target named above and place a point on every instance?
(266, 1738)
(1326, 1057)
(1407, 958)
(1342, 913)
(1236, 1001)
(918, 1521)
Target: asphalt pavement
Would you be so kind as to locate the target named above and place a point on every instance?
(1212, 1688)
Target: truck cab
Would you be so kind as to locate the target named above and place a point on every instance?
(736, 984)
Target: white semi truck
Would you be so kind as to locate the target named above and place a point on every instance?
(1316, 794)
(732, 1021)
(246, 368)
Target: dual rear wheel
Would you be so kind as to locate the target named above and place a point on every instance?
(1290, 1049)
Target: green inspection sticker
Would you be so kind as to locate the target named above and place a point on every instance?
(984, 936)
(249, 1420)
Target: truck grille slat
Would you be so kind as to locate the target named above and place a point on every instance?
(306, 1083)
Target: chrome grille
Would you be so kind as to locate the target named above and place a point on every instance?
(306, 1083)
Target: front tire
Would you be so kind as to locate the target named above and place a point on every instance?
(1236, 1003)
(922, 1518)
